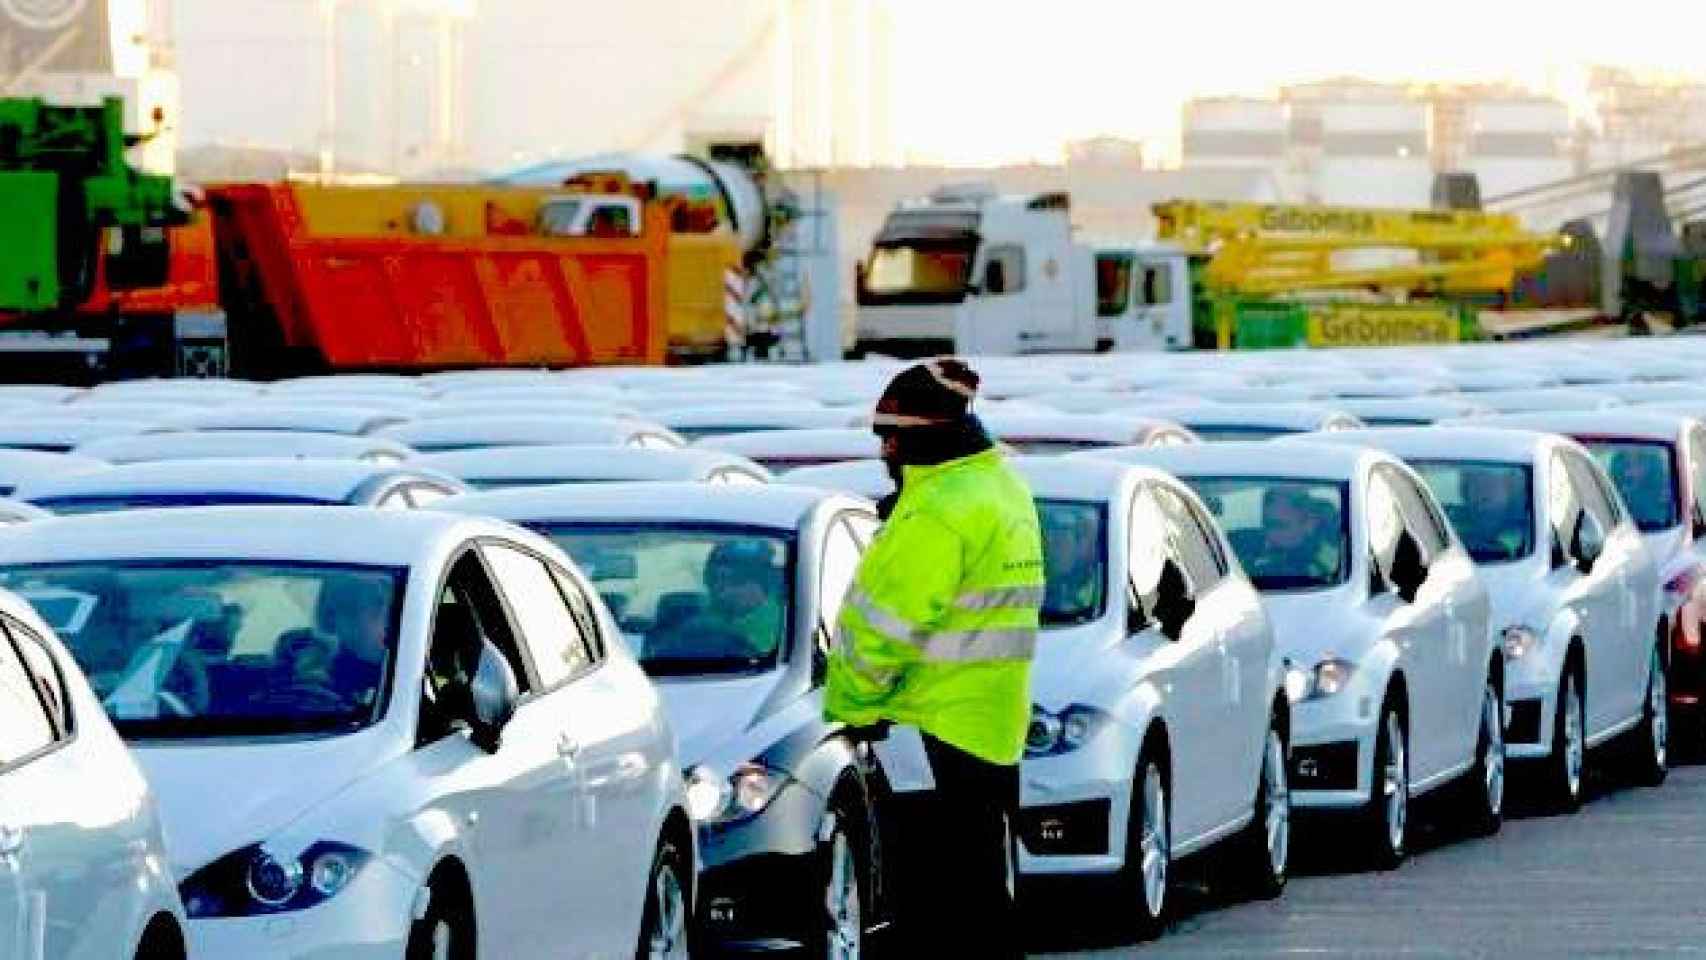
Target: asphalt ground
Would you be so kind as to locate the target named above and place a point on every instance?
(1624, 876)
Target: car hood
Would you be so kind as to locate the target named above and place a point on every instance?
(1072, 664)
(206, 819)
(1311, 624)
(713, 719)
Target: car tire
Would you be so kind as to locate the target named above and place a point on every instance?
(1566, 765)
(665, 922)
(846, 892)
(447, 930)
(1484, 785)
(1263, 854)
(1145, 880)
(1387, 816)
(1650, 755)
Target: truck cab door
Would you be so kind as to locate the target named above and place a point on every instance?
(1160, 316)
(995, 319)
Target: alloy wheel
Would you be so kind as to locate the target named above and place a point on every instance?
(1493, 764)
(1395, 784)
(1574, 748)
(1277, 815)
(667, 940)
(1153, 842)
(841, 899)
(1658, 705)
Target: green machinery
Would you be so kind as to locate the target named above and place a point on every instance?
(68, 197)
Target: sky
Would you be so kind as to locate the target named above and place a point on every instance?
(986, 81)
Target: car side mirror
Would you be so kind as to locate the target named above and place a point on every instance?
(1137, 619)
(1409, 571)
(820, 656)
(1588, 542)
(493, 695)
(1175, 605)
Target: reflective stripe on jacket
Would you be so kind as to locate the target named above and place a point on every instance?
(941, 622)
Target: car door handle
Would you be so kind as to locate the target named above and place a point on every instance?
(11, 841)
(568, 747)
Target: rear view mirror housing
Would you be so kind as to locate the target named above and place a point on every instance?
(1409, 570)
(1175, 604)
(1587, 543)
(493, 695)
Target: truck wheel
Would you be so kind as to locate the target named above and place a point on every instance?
(1387, 816)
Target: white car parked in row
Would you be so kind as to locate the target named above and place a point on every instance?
(1395, 678)
(396, 730)
(1574, 594)
(82, 860)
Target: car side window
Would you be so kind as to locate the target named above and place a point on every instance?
(841, 552)
(864, 526)
(1385, 521)
(1697, 477)
(579, 597)
(45, 673)
(1563, 504)
(1187, 541)
(24, 726)
(423, 495)
(1420, 518)
(548, 628)
(1592, 490)
(1146, 555)
(394, 499)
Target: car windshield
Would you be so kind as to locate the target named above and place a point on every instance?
(692, 600)
(1645, 474)
(1225, 431)
(67, 506)
(1075, 559)
(1289, 534)
(1491, 505)
(206, 649)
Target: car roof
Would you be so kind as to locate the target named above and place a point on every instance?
(583, 462)
(867, 478)
(70, 431)
(302, 534)
(1615, 422)
(1445, 442)
(16, 511)
(1067, 426)
(17, 466)
(783, 444)
(1247, 459)
(505, 430)
(326, 480)
(193, 445)
(1069, 478)
(777, 506)
(351, 419)
(1291, 416)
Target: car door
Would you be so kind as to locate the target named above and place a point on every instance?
(600, 824)
(1463, 607)
(1187, 669)
(1611, 583)
(1240, 704)
(1417, 626)
(1594, 605)
(516, 805)
(28, 801)
(1636, 571)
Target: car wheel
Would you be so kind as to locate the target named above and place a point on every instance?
(1264, 854)
(1484, 786)
(843, 934)
(663, 928)
(447, 930)
(1388, 812)
(1145, 879)
(1569, 748)
(1652, 737)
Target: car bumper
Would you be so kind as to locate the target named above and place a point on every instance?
(1332, 750)
(1531, 704)
(367, 921)
(1073, 810)
(761, 880)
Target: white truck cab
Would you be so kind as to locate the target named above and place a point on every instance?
(971, 271)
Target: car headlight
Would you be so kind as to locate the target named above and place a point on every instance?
(1052, 733)
(256, 881)
(1518, 641)
(714, 798)
(1325, 679)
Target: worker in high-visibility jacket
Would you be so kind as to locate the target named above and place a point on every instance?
(938, 632)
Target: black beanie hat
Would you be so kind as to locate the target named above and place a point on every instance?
(929, 394)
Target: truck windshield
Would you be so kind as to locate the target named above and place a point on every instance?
(918, 271)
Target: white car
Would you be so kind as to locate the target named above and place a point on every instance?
(497, 468)
(1160, 726)
(798, 413)
(1551, 398)
(82, 860)
(353, 420)
(1254, 421)
(1573, 593)
(376, 731)
(206, 483)
(1395, 676)
(783, 450)
(225, 444)
(61, 433)
(475, 432)
(23, 466)
(729, 595)
(1067, 433)
(1412, 411)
